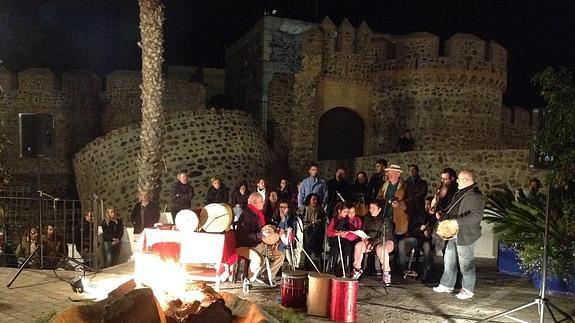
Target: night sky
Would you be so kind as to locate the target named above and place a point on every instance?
(101, 34)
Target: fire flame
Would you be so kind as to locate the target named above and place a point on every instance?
(167, 278)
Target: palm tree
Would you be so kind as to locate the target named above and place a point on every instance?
(151, 137)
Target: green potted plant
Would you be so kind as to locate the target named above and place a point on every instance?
(520, 221)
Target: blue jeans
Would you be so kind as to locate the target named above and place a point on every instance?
(111, 253)
(466, 257)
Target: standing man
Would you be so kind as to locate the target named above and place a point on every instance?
(393, 192)
(416, 192)
(465, 212)
(182, 194)
(376, 180)
(312, 184)
(145, 213)
(336, 185)
(249, 239)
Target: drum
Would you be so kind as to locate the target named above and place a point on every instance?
(167, 251)
(187, 221)
(318, 295)
(271, 236)
(294, 289)
(447, 229)
(343, 305)
(216, 218)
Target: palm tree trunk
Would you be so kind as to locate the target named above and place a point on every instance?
(151, 136)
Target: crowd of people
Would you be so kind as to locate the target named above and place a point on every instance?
(341, 225)
(343, 228)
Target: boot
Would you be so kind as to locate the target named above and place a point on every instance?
(329, 268)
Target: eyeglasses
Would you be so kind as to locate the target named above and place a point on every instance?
(463, 180)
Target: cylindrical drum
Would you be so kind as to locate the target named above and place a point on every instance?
(318, 295)
(294, 289)
(343, 305)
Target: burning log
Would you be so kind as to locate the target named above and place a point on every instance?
(209, 307)
(139, 305)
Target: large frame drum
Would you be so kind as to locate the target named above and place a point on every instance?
(294, 289)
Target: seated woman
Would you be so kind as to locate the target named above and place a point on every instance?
(314, 218)
(284, 220)
(355, 223)
(337, 230)
(217, 193)
(27, 246)
(379, 230)
(54, 248)
(113, 231)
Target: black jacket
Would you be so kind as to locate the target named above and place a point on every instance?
(416, 192)
(217, 196)
(151, 216)
(374, 227)
(113, 230)
(375, 183)
(468, 214)
(182, 197)
(248, 230)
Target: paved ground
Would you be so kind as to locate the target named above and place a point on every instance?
(37, 295)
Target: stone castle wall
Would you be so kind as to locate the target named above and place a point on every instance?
(83, 110)
(208, 143)
(122, 105)
(492, 168)
(448, 94)
(72, 98)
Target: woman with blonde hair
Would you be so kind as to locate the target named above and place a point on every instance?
(113, 230)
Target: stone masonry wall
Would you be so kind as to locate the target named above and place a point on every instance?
(492, 168)
(72, 98)
(122, 106)
(208, 143)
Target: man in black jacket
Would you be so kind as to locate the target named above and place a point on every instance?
(465, 212)
(145, 213)
(377, 179)
(249, 239)
(182, 195)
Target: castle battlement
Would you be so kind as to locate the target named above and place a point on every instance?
(344, 48)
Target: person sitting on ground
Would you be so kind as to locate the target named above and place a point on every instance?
(83, 234)
(249, 240)
(378, 228)
(27, 245)
(113, 231)
(7, 257)
(217, 193)
(54, 248)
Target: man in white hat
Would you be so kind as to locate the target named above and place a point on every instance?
(393, 193)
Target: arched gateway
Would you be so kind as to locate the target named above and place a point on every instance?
(340, 134)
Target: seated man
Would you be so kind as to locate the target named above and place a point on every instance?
(54, 248)
(379, 230)
(420, 226)
(249, 239)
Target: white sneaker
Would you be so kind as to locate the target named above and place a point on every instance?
(442, 289)
(464, 294)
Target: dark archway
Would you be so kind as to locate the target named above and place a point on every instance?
(340, 135)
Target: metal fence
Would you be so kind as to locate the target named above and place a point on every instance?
(58, 227)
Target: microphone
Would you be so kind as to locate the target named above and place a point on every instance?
(340, 197)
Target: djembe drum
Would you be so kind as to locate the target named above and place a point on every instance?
(294, 289)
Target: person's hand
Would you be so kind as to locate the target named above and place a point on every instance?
(422, 227)
(394, 204)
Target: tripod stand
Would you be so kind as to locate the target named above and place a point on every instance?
(541, 301)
